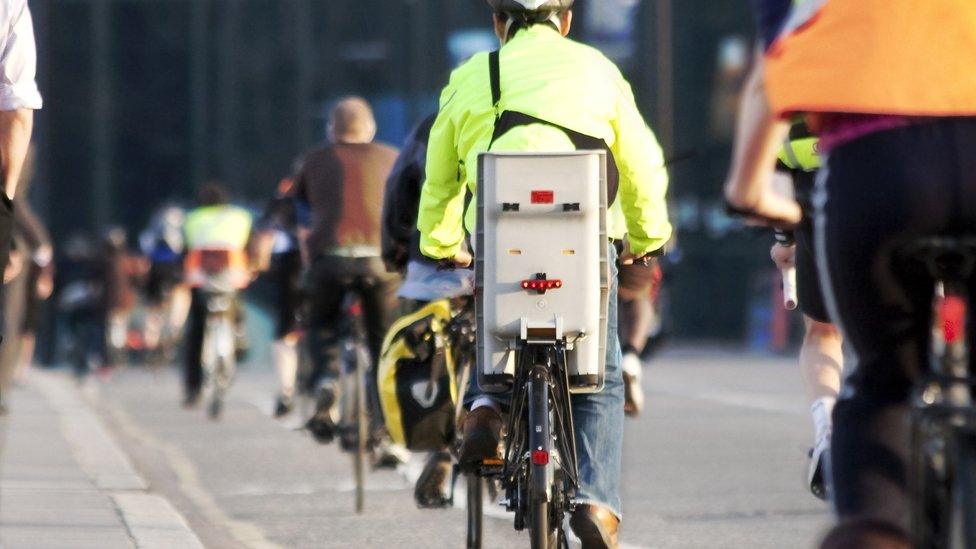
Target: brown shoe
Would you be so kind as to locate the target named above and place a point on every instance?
(482, 430)
(595, 526)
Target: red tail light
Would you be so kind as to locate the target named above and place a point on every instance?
(542, 285)
(953, 318)
(540, 457)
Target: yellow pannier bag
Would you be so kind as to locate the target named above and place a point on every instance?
(417, 379)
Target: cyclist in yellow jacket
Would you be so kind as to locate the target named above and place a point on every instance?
(215, 225)
(545, 92)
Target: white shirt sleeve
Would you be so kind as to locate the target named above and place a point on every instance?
(18, 61)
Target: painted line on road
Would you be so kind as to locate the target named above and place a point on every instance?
(751, 401)
(186, 471)
(96, 452)
(150, 520)
(154, 523)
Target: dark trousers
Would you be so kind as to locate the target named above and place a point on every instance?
(330, 279)
(878, 192)
(196, 322)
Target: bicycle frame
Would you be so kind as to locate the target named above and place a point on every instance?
(218, 358)
(943, 482)
(540, 452)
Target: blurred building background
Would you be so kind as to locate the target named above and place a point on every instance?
(146, 99)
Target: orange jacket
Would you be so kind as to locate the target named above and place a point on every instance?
(899, 57)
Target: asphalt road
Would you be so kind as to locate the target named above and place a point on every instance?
(718, 460)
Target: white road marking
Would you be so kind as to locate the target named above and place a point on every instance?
(151, 521)
(98, 455)
(752, 401)
(154, 523)
(244, 532)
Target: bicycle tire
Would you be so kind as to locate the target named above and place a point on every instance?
(964, 490)
(475, 510)
(540, 480)
(362, 422)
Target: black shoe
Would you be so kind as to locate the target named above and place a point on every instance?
(322, 425)
(482, 430)
(283, 407)
(431, 489)
(216, 408)
(191, 401)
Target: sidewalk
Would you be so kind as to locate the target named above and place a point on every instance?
(65, 483)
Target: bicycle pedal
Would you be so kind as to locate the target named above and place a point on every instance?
(491, 467)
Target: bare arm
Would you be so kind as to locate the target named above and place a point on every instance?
(759, 135)
(15, 134)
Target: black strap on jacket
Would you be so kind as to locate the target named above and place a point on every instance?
(508, 120)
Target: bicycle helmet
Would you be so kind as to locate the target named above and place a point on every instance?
(530, 5)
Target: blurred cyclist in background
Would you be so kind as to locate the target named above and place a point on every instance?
(167, 297)
(548, 93)
(25, 292)
(342, 183)
(279, 254)
(822, 355)
(423, 281)
(214, 226)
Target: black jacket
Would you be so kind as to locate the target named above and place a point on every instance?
(401, 239)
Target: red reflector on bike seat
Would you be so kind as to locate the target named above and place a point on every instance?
(953, 318)
(540, 457)
(543, 197)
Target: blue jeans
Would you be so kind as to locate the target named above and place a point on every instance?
(598, 418)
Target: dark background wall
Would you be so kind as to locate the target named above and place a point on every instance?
(146, 99)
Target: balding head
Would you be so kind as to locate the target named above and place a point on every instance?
(351, 121)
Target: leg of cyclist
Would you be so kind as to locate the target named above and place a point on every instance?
(909, 179)
(821, 360)
(599, 423)
(636, 320)
(192, 369)
(379, 300)
(286, 271)
(822, 355)
(327, 284)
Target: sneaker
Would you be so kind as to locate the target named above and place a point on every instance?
(322, 425)
(633, 391)
(595, 526)
(431, 490)
(389, 455)
(817, 475)
(283, 406)
(482, 430)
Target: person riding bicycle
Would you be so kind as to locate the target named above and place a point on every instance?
(280, 256)
(167, 297)
(551, 92)
(214, 226)
(896, 114)
(821, 355)
(342, 183)
(423, 282)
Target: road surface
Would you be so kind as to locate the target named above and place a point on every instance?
(718, 460)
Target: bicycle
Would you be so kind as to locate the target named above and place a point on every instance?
(219, 350)
(943, 416)
(459, 335)
(353, 425)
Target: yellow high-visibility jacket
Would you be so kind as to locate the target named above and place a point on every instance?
(560, 81)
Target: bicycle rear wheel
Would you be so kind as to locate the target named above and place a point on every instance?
(362, 424)
(963, 510)
(476, 509)
(541, 489)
